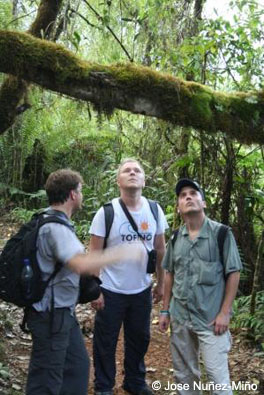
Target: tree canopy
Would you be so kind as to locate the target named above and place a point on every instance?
(197, 83)
(125, 86)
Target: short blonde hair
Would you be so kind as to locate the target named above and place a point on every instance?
(127, 160)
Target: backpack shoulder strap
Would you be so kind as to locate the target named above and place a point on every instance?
(154, 209)
(109, 218)
(174, 237)
(54, 219)
(221, 236)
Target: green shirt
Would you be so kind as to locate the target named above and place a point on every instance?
(199, 275)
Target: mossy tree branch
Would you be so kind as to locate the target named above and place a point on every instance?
(133, 88)
(13, 92)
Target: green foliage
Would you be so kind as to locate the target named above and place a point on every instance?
(230, 51)
(5, 13)
(243, 319)
(12, 191)
(16, 195)
(82, 229)
(22, 215)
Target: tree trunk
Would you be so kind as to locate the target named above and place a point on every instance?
(14, 9)
(258, 270)
(228, 183)
(244, 231)
(13, 92)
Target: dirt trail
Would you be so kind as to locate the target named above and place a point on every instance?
(246, 364)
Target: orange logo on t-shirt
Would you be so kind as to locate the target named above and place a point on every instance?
(144, 226)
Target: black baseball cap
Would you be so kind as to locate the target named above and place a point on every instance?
(186, 182)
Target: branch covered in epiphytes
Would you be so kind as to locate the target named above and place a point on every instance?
(134, 88)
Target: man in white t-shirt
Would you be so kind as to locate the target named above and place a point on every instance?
(126, 289)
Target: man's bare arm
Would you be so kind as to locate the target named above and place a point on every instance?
(95, 260)
(96, 244)
(222, 319)
(160, 247)
(164, 319)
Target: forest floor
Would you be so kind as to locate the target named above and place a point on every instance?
(246, 363)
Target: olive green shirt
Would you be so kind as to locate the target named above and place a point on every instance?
(199, 275)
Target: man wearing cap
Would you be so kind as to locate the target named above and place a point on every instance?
(199, 291)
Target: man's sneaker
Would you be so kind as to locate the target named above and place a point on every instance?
(143, 391)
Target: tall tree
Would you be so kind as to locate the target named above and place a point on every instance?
(14, 90)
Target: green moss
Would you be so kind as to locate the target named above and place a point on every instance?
(11, 93)
(146, 80)
(240, 115)
(201, 106)
(13, 90)
(244, 107)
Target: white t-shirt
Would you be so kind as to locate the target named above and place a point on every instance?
(128, 277)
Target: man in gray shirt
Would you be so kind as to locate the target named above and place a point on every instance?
(59, 363)
(198, 295)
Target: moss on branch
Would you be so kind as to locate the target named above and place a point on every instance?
(134, 88)
(14, 91)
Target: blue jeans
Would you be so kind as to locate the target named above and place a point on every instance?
(134, 312)
(59, 362)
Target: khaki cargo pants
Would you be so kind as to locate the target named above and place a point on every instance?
(187, 345)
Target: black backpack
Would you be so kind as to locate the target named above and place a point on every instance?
(23, 246)
(109, 216)
(20, 247)
(221, 235)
